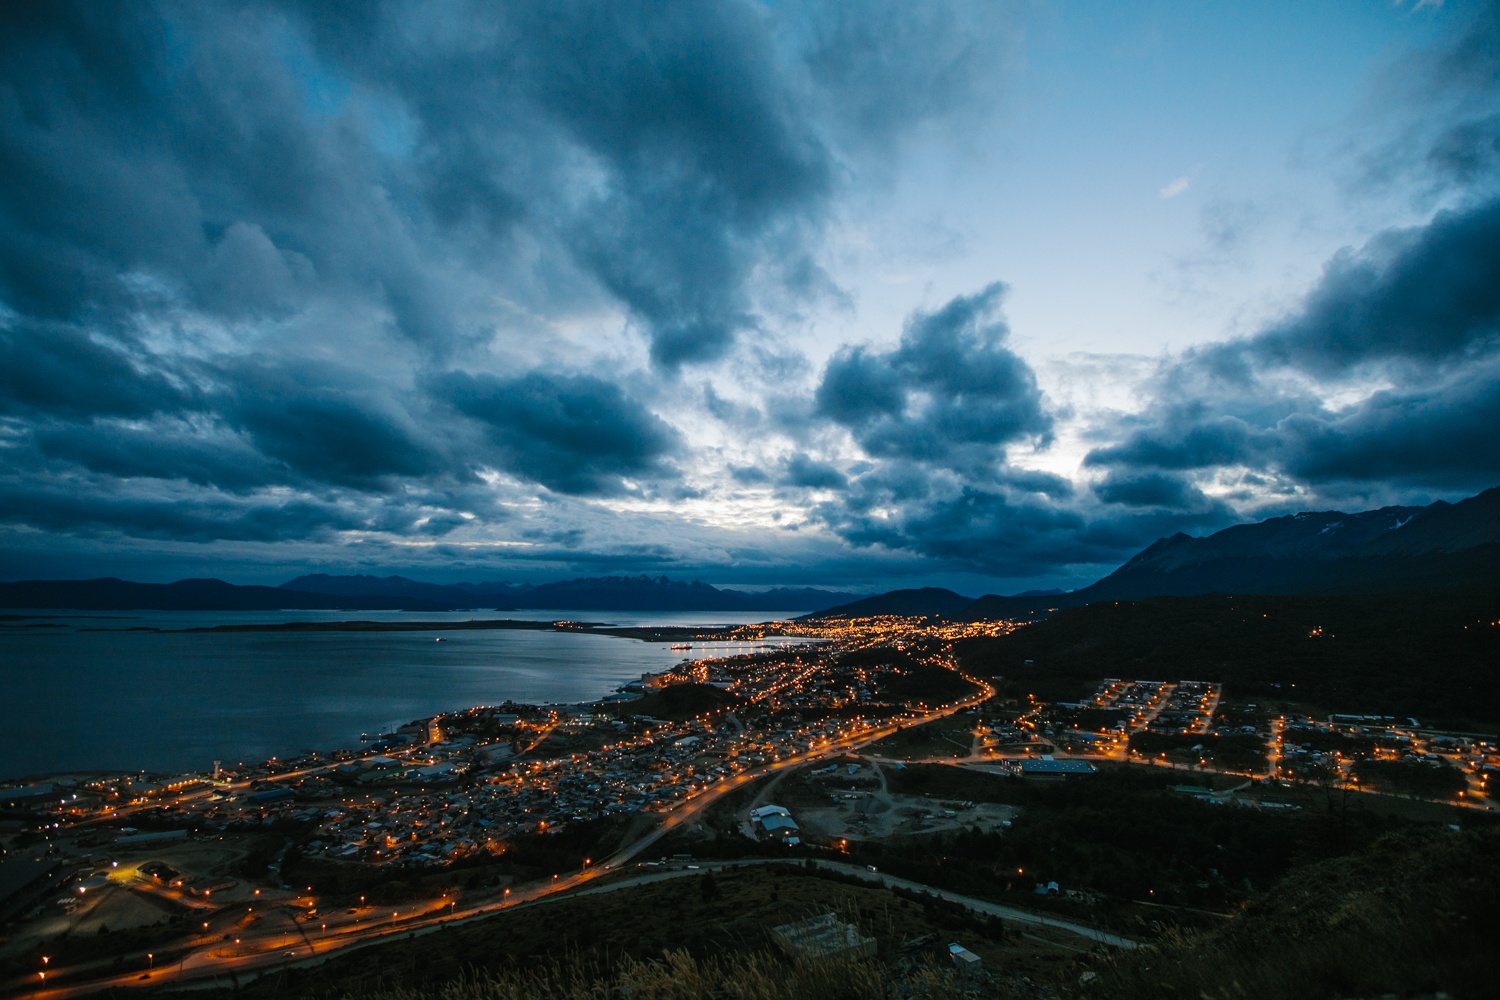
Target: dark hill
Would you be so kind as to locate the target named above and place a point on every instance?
(909, 603)
(1411, 916)
(1443, 548)
(1431, 656)
(678, 702)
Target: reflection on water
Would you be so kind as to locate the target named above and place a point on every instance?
(79, 699)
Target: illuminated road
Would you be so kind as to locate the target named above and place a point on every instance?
(258, 949)
(887, 881)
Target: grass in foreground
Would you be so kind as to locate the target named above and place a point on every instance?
(679, 976)
(1415, 914)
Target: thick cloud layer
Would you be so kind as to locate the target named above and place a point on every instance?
(368, 266)
(941, 422)
(572, 434)
(409, 283)
(1408, 325)
(1427, 295)
(951, 392)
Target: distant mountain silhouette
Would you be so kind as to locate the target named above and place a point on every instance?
(109, 594)
(1437, 548)
(610, 593)
(369, 593)
(910, 603)
(367, 586)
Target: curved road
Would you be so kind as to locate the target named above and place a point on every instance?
(887, 881)
(268, 949)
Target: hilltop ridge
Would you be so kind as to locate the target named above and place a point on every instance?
(397, 593)
(1442, 547)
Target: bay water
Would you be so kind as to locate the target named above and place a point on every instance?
(89, 693)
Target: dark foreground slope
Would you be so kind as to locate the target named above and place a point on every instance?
(1435, 657)
(701, 936)
(1416, 915)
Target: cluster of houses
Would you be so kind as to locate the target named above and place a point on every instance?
(438, 790)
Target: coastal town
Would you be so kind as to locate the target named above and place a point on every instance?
(237, 865)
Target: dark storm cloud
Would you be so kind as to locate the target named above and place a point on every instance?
(59, 370)
(1404, 330)
(1183, 437)
(709, 161)
(1417, 309)
(572, 434)
(748, 475)
(951, 391)
(1152, 489)
(94, 507)
(326, 427)
(147, 154)
(1440, 435)
(233, 235)
(657, 146)
(168, 448)
(806, 472)
(1428, 294)
(676, 154)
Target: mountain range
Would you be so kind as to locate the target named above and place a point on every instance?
(391, 593)
(609, 593)
(1442, 547)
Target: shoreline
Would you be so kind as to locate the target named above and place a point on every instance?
(646, 634)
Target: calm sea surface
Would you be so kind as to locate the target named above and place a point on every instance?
(77, 699)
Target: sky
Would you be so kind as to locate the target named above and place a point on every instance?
(875, 295)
